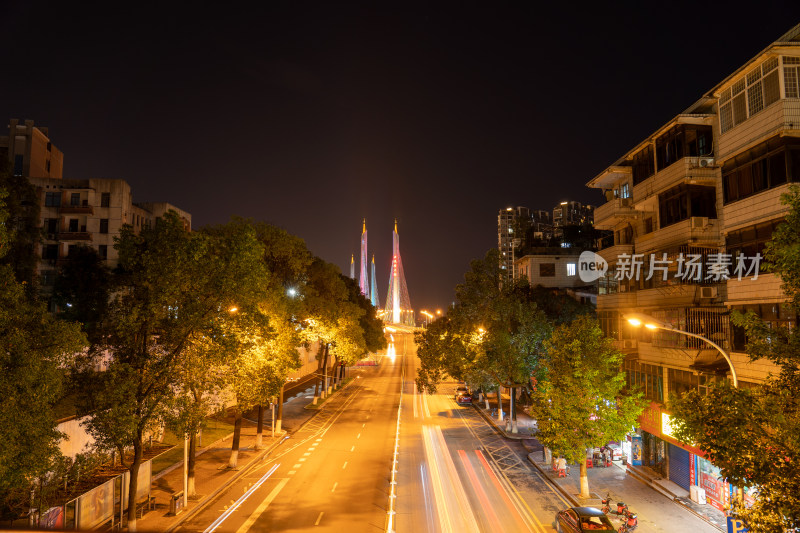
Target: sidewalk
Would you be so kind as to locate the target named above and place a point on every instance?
(644, 492)
(211, 472)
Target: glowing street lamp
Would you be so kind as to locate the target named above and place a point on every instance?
(640, 319)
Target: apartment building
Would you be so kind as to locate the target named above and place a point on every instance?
(508, 238)
(682, 205)
(75, 212)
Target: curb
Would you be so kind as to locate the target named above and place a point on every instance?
(569, 497)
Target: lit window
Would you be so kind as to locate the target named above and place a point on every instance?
(570, 269)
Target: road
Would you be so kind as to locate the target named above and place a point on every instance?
(454, 472)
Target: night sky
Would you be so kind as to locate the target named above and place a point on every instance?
(313, 118)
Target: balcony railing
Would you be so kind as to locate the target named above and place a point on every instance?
(77, 209)
(75, 236)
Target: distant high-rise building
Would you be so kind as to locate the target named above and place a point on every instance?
(507, 237)
(572, 214)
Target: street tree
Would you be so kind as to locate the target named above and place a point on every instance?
(81, 289)
(753, 434)
(34, 349)
(581, 402)
(170, 286)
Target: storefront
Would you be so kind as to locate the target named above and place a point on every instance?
(661, 452)
(718, 491)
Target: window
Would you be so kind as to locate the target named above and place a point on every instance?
(103, 225)
(547, 270)
(776, 315)
(50, 252)
(750, 94)
(683, 140)
(73, 225)
(102, 250)
(624, 190)
(770, 164)
(570, 269)
(643, 165)
(105, 199)
(51, 225)
(750, 241)
(648, 225)
(52, 199)
(75, 198)
(647, 378)
(681, 381)
(48, 277)
(19, 161)
(684, 201)
(791, 76)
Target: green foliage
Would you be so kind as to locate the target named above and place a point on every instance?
(581, 404)
(22, 221)
(753, 435)
(494, 335)
(81, 289)
(33, 348)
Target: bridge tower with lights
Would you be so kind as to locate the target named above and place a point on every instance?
(363, 281)
(398, 304)
(373, 287)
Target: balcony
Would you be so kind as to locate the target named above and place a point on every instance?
(611, 253)
(689, 170)
(780, 117)
(84, 209)
(75, 236)
(608, 215)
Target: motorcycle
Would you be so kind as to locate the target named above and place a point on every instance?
(622, 508)
(630, 523)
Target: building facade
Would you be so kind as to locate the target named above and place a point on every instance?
(75, 212)
(689, 208)
(508, 223)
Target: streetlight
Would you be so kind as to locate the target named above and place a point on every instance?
(640, 319)
(427, 314)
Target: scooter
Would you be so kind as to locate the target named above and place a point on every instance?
(622, 508)
(630, 524)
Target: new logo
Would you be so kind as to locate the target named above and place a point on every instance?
(591, 267)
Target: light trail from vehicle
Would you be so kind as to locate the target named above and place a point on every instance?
(224, 516)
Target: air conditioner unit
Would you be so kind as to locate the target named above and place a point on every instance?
(626, 202)
(708, 292)
(704, 162)
(698, 222)
(629, 344)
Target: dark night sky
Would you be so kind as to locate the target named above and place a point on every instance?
(314, 118)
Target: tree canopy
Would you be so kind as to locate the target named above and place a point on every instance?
(753, 434)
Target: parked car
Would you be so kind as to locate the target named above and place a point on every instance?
(580, 519)
(462, 395)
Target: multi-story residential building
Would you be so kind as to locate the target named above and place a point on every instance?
(74, 212)
(549, 267)
(508, 238)
(704, 185)
(30, 152)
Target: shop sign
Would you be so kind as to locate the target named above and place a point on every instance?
(735, 525)
(650, 419)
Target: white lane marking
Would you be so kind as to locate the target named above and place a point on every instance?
(414, 402)
(312, 448)
(364, 424)
(353, 448)
(344, 465)
(292, 472)
(306, 454)
(425, 404)
(298, 465)
(334, 486)
(318, 440)
(262, 506)
(319, 518)
(359, 436)
(216, 523)
(302, 459)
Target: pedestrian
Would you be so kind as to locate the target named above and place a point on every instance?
(561, 465)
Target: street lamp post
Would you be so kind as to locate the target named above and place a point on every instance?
(640, 319)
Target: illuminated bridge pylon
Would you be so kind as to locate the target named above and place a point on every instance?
(363, 281)
(373, 286)
(398, 304)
